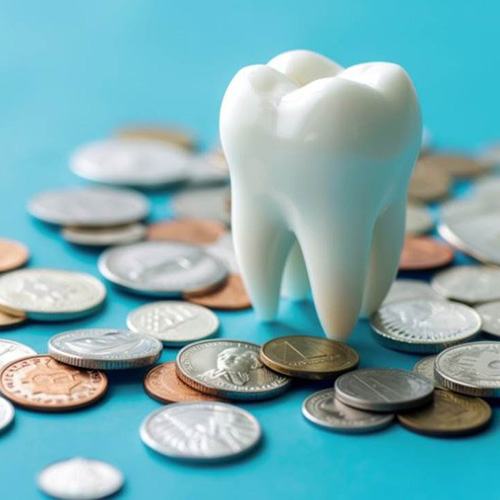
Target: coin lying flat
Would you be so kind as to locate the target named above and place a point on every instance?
(50, 294)
(449, 414)
(80, 479)
(201, 431)
(410, 289)
(223, 249)
(229, 369)
(490, 317)
(308, 357)
(11, 351)
(174, 323)
(425, 367)
(170, 135)
(421, 253)
(205, 170)
(6, 413)
(104, 236)
(427, 183)
(418, 219)
(12, 255)
(41, 383)
(424, 325)
(161, 268)
(472, 369)
(324, 409)
(457, 165)
(490, 154)
(384, 390)
(195, 231)
(8, 320)
(105, 349)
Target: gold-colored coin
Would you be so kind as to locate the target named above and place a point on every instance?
(307, 357)
(172, 135)
(448, 414)
(427, 183)
(7, 319)
(456, 165)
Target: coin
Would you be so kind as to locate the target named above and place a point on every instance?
(308, 357)
(230, 369)
(104, 349)
(12, 351)
(427, 183)
(195, 231)
(104, 236)
(161, 268)
(6, 413)
(170, 135)
(469, 284)
(490, 154)
(162, 384)
(449, 414)
(50, 294)
(223, 249)
(410, 289)
(7, 320)
(324, 409)
(421, 253)
(383, 389)
(174, 323)
(201, 431)
(12, 255)
(80, 479)
(422, 325)
(418, 219)
(490, 316)
(43, 384)
(425, 367)
(472, 369)
(457, 165)
(205, 170)
(488, 186)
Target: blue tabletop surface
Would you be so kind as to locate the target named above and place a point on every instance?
(73, 71)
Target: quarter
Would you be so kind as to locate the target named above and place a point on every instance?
(490, 316)
(411, 289)
(12, 351)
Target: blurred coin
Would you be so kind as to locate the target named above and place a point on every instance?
(427, 183)
(104, 236)
(490, 316)
(6, 413)
(488, 186)
(418, 219)
(7, 320)
(104, 349)
(12, 351)
(410, 289)
(195, 231)
(324, 409)
(491, 154)
(457, 165)
(12, 255)
(425, 367)
(223, 249)
(43, 384)
(170, 135)
(161, 268)
(421, 253)
(205, 170)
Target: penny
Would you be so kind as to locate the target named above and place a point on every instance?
(12, 351)
(7, 320)
(196, 231)
(12, 255)
(457, 165)
(104, 236)
(448, 414)
(422, 253)
(307, 357)
(43, 384)
(162, 384)
(170, 135)
(490, 316)
(427, 183)
(418, 219)
(7, 413)
(425, 367)
(410, 289)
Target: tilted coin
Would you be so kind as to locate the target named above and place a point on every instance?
(204, 170)
(12, 351)
(421, 253)
(104, 236)
(90, 206)
(427, 183)
(230, 369)
(490, 316)
(105, 349)
(418, 219)
(410, 289)
(457, 165)
(308, 357)
(449, 414)
(168, 134)
(12, 255)
(6, 413)
(196, 231)
(422, 325)
(161, 268)
(174, 323)
(8, 320)
(472, 369)
(324, 409)
(50, 294)
(80, 479)
(223, 249)
(201, 431)
(41, 383)
(425, 367)
(383, 389)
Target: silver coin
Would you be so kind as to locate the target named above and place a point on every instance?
(425, 367)
(144, 163)
(472, 369)
(384, 389)
(11, 351)
(324, 409)
(490, 154)
(6, 413)
(468, 284)
(490, 317)
(422, 325)
(162, 268)
(418, 219)
(104, 236)
(51, 294)
(486, 187)
(223, 249)
(104, 349)
(410, 289)
(91, 206)
(203, 170)
(230, 369)
(80, 479)
(201, 431)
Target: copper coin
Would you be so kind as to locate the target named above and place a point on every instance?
(457, 165)
(195, 231)
(162, 384)
(7, 319)
(12, 255)
(41, 383)
(178, 137)
(231, 296)
(421, 253)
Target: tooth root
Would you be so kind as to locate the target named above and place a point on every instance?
(295, 285)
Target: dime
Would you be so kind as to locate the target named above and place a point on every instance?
(418, 219)
(50, 294)
(469, 284)
(80, 479)
(421, 253)
(7, 320)
(174, 323)
(457, 165)
(104, 349)
(201, 431)
(324, 409)
(410, 289)
(104, 236)
(427, 183)
(12, 255)
(230, 369)
(170, 135)
(162, 384)
(195, 231)
(308, 357)
(425, 367)
(161, 268)
(11, 351)
(472, 369)
(490, 316)
(223, 249)
(41, 383)
(6, 413)
(422, 325)
(449, 414)
(383, 389)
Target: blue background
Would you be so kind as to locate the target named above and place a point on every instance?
(73, 71)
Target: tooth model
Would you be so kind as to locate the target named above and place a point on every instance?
(320, 159)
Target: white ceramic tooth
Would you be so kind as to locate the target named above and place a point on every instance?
(320, 157)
